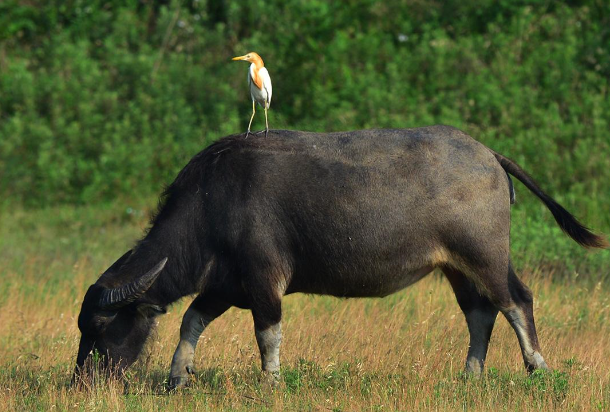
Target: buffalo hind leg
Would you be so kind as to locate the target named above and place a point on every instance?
(202, 311)
(480, 316)
(520, 315)
(499, 283)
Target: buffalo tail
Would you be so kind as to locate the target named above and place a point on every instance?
(568, 223)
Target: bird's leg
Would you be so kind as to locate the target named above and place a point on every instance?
(251, 118)
(266, 122)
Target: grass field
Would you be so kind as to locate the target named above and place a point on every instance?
(404, 352)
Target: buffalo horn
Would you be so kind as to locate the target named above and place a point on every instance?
(120, 296)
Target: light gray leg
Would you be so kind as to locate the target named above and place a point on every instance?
(269, 341)
(193, 325)
(198, 316)
(528, 340)
(520, 315)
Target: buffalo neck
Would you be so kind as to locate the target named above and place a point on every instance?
(171, 236)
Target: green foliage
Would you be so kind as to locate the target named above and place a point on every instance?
(102, 99)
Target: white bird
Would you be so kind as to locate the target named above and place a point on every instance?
(260, 85)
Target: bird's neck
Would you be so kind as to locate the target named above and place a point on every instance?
(258, 63)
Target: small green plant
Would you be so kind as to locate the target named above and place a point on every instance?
(552, 382)
(293, 379)
(571, 363)
(214, 378)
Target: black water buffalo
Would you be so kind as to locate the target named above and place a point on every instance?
(353, 214)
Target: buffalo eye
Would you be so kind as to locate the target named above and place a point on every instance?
(99, 323)
(149, 310)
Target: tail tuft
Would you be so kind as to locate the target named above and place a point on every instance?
(576, 230)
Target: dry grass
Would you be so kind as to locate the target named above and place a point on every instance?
(404, 352)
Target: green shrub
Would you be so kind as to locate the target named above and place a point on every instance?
(104, 99)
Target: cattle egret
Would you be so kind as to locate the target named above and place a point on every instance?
(260, 85)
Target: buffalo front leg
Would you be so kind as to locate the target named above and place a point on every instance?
(202, 311)
(269, 340)
(268, 331)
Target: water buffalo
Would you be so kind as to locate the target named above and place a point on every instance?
(363, 213)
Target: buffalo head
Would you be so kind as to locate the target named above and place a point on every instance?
(114, 324)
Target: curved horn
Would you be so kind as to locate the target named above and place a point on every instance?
(118, 297)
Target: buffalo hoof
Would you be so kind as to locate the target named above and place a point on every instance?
(177, 382)
(271, 379)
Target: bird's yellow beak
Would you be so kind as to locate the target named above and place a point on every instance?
(240, 57)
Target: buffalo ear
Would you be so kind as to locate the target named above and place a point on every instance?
(150, 310)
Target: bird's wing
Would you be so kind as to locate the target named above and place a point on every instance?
(254, 77)
(264, 75)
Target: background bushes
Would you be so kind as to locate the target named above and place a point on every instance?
(109, 99)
